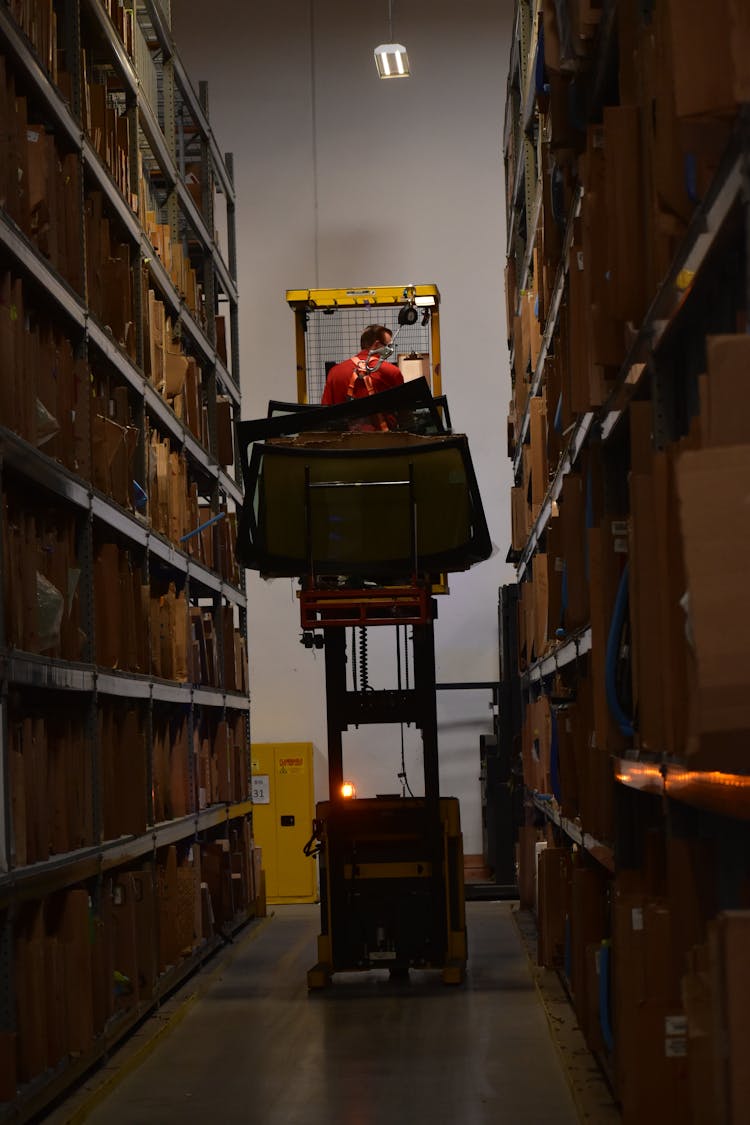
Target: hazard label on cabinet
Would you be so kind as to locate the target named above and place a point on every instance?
(291, 765)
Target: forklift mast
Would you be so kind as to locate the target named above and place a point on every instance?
(371, 523)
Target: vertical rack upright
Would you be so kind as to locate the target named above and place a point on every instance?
(126, 849)
(627, 286)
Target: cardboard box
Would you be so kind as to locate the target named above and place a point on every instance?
(699, 1003)
(649, 1023)
(572, 519)
(709, 51)
(728, 944)
(587, 924)
(605, 568)
(725, 411)
(627, 293)
(554, 900)
(224, 431)
(713, 485)
(541, 603)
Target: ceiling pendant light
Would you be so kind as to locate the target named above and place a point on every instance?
(391, 59)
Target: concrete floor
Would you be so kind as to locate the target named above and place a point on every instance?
(257, 1048)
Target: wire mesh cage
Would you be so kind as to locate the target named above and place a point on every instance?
(333, 335)
(330, 323)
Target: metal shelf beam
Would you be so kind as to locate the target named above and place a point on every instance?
(230, 487)
(26, 669)
(69, 868)
(28, 259)
(602, 853)
(119, 520)
(565, 653)
(36, 466)
(228, 384)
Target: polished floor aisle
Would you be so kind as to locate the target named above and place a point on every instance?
(257, 1048)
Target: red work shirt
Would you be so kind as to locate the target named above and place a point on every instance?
(336, 389)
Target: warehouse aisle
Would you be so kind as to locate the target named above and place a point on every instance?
(257, 1047)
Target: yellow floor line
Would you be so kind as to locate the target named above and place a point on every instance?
(592, 1097)
(129, 1056)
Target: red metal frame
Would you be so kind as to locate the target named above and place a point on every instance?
(378, 605)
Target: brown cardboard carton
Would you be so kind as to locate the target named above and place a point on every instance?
(175, 368)
(74, 936)
(145, 929)
(605, 567)
(573, 535)
(648, 648)
(580, 335)
(541, 603)
(28, 964)
(568, 765)
(125, 940)
(553, 899)
(169, 948)
(739, 45)
(539, 464)
(725, 416)
(587, 923)
(649, 1025)
(224, 431)
(156, 338)
(698, 1002)
(627, 297)
(713, 485)
(702, 73)
(728, 944)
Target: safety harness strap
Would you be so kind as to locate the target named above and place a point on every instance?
(360, 371)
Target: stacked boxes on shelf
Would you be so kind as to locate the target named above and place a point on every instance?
(119, 577)
(631, 448)
(84, 970)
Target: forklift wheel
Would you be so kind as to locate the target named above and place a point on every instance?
(454, 973)
(318, 977)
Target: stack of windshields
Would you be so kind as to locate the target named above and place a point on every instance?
(327, 492)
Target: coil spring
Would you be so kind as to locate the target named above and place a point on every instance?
(364, 682)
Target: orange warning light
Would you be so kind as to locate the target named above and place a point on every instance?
(348, 790)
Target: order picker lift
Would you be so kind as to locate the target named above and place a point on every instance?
(371, 523)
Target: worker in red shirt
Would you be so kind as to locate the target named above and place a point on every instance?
(366, 373)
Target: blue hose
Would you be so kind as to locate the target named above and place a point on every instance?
(557, 424)
(605, 1018)
(613, 641)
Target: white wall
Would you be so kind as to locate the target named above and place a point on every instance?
(345, 180)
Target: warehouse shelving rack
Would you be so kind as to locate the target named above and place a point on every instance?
(658, 801)
(167, 122)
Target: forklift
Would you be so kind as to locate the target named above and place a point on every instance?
(371, 523)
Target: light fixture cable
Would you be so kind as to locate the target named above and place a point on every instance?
(314, 123)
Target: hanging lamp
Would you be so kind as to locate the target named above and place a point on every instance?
(391, 59)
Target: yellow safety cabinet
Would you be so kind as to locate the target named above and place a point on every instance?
(283, 811)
